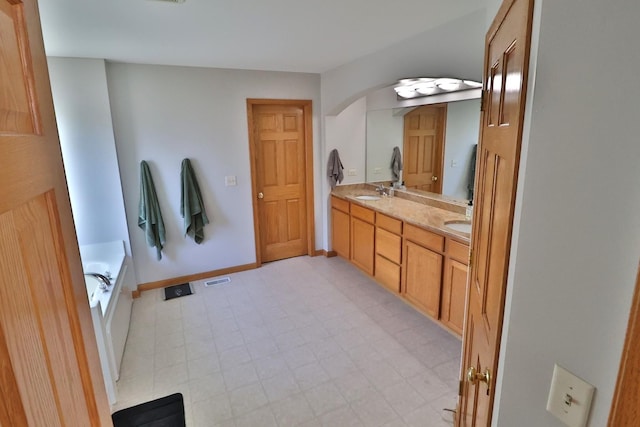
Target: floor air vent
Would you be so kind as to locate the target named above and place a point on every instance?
(217, 282)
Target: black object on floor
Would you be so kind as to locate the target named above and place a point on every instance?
(176, 291)
(164, 412)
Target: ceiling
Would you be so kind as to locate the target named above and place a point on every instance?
(278, 35)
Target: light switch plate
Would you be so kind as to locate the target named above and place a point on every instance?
(569, 398)
(230, 180)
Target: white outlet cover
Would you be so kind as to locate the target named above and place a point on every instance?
(230, 180)
(352, 172)
(573, 410)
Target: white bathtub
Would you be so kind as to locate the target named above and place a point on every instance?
(110, 310)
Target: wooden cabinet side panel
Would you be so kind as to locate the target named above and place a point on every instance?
(340, 233)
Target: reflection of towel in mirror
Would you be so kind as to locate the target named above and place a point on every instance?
(334, 168)
(191, 206)
(149, 215)
(396, 164)
(472, 173)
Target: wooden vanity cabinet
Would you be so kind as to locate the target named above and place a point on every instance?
(423, 262)
(454, 285)
(388, 252)
(423, 267)
(340, 227)
(362, 238)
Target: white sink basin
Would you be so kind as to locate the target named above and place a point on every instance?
(370, 198)
(459, 226)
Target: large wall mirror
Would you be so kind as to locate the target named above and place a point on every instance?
(386, 129)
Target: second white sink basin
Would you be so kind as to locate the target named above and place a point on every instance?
(370, 198)
(459, 226)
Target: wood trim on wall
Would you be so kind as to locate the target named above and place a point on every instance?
(307, 109)
(625, 408)
(191, 278)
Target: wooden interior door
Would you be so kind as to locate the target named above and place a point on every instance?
(280, 172)
(626, 400)
(424, 147)
(505, 77)
(50, 373)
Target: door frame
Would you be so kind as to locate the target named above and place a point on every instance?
(624, 407)
(307, 112)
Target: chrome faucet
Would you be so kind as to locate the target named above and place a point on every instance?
(381, 190)
(104, 280)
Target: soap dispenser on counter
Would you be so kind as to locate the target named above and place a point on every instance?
(469, 212)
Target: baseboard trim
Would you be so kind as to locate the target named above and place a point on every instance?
(190, 278)
(322, 252)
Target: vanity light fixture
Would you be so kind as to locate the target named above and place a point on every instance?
(426, 86)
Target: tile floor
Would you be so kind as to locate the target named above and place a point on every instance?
(304, 341)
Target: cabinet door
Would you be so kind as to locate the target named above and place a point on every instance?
(340, 232)
(453, 295)
(362, 235)
(423, 278)
(388, 273)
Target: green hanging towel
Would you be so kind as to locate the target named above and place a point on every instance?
(191, 206)
(149, 215)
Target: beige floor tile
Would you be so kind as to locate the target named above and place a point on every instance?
(247, 399)
(269, 349)
(292, 411)
(324, 398)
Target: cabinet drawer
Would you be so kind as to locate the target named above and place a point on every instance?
(363, 213)
(423, 237)
(390, 224)
(389, 245)
(341, 205)
(388, 274)
(458, 251)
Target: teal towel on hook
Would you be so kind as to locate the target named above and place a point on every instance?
(149, 214)
(191, 205)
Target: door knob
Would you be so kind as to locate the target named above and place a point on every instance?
(434, 178)
(473, 376)
(260, 195)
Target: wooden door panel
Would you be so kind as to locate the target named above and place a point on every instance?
(506, 66)
(18, 105)
(29, 234)
(280, 163)
(49, 367)
(424, 147)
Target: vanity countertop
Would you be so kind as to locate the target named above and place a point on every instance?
(422, 215)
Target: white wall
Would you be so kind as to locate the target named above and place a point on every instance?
(81, 100)
(347, 132)
(163, 114)
(577, 231)
(463, 121)
(384, 131)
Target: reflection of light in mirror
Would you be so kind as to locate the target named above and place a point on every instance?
(425, 86)
(472, 83)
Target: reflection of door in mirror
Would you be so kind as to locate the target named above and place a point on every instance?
(424, 147)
